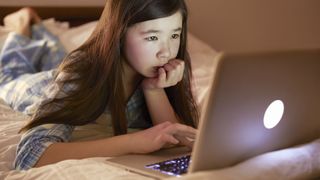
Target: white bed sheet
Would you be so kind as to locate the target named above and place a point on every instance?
(301, 162)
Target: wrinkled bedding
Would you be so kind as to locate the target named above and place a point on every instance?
(302, 162)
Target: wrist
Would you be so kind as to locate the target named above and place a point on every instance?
(147, 90)
(131, 144)
(124, 144)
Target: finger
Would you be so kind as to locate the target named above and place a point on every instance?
(187, 131)
(167, 138)
(162, 77)
(172, 78)
(179, 66)
(182, 130)
(169, 67)
(171, 74)
(176, 62)
(167, 146)
(182, 66)
(185, 142)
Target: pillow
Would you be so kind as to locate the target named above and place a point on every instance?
(3, 35)
(300, 162)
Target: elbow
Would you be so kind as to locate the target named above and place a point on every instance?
(28, 155)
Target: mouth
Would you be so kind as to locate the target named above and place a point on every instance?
(157, 68)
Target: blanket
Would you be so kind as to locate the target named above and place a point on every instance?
(301, 162)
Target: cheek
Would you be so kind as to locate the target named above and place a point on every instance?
(175, 49)
(138, 54)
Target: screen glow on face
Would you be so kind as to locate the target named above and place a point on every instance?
(273, 114)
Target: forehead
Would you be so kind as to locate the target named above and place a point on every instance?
(167, 23)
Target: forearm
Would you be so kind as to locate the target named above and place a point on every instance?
(113, 146)
(159, 106)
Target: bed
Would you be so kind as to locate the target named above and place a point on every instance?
(300, 162)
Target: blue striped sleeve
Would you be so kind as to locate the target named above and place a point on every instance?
(35, 141)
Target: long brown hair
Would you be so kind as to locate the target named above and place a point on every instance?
(96, 71)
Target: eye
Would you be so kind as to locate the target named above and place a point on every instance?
(152, 38)
(175, 36)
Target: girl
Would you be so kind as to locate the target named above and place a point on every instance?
(134, 66)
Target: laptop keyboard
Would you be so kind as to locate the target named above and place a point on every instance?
(173, 167)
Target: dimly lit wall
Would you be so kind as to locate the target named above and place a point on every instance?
(233, 25)
(248, 25)
(52, 3)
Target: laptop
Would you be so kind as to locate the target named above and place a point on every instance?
(258, 102)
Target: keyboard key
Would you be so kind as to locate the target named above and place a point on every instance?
(175, 167)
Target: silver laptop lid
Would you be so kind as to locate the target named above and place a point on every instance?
(233, 126)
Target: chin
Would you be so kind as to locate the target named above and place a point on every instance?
(151, 74)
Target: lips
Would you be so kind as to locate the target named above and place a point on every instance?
(157, 68)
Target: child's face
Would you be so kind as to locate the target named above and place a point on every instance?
(151, 44)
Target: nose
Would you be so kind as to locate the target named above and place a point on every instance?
(164, 52)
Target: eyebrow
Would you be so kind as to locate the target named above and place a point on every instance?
(158, 31)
